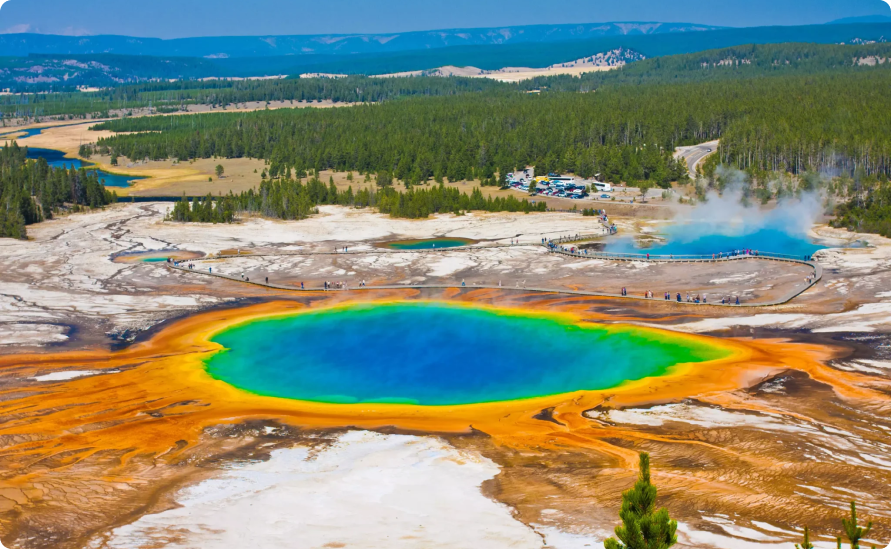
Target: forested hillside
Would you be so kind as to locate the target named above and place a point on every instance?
(44, 72)
(274, 59)
(747, 61)
(868, 211)
(625, 133)
(330, 44)
(173, 96)
(31, 191)
(542, 55)
(292, 199)
(751, 61)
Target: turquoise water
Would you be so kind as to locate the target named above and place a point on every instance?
(707, 239)
(154, 256)
(435, 354)
(428, 244)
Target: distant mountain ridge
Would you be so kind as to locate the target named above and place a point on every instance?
(861, 19)
(222, 47)
(44, 72)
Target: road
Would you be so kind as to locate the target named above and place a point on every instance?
(695, 154)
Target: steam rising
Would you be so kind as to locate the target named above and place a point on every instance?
(726, 214)
(727, 222)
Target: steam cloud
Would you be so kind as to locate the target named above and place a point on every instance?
(728, 213)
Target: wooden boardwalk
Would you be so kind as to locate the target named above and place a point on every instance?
(817, 276)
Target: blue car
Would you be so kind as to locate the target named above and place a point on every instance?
(604, 196)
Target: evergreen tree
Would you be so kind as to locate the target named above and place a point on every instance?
(642, 526)
(853, 532)
(384, 179)
(31, 190)
(806, 542)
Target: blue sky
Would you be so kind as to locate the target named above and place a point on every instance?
(181, 18)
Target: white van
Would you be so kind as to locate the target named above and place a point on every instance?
(602, 187)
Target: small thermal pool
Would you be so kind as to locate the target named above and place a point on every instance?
(427, 244)
(155, 256)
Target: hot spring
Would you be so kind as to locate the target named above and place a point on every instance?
(427, 244)
(438, 354)
(724, 224)
(707, 239)
(155, 256)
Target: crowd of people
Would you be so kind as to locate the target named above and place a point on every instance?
(689, 298)
(189, 265)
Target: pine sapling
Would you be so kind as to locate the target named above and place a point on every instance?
(806, 543)
(852, 531)
(642, 526)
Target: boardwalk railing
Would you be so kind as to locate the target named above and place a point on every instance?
(807, 260)
(557, 248)
(795, 292)
(579, 237)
